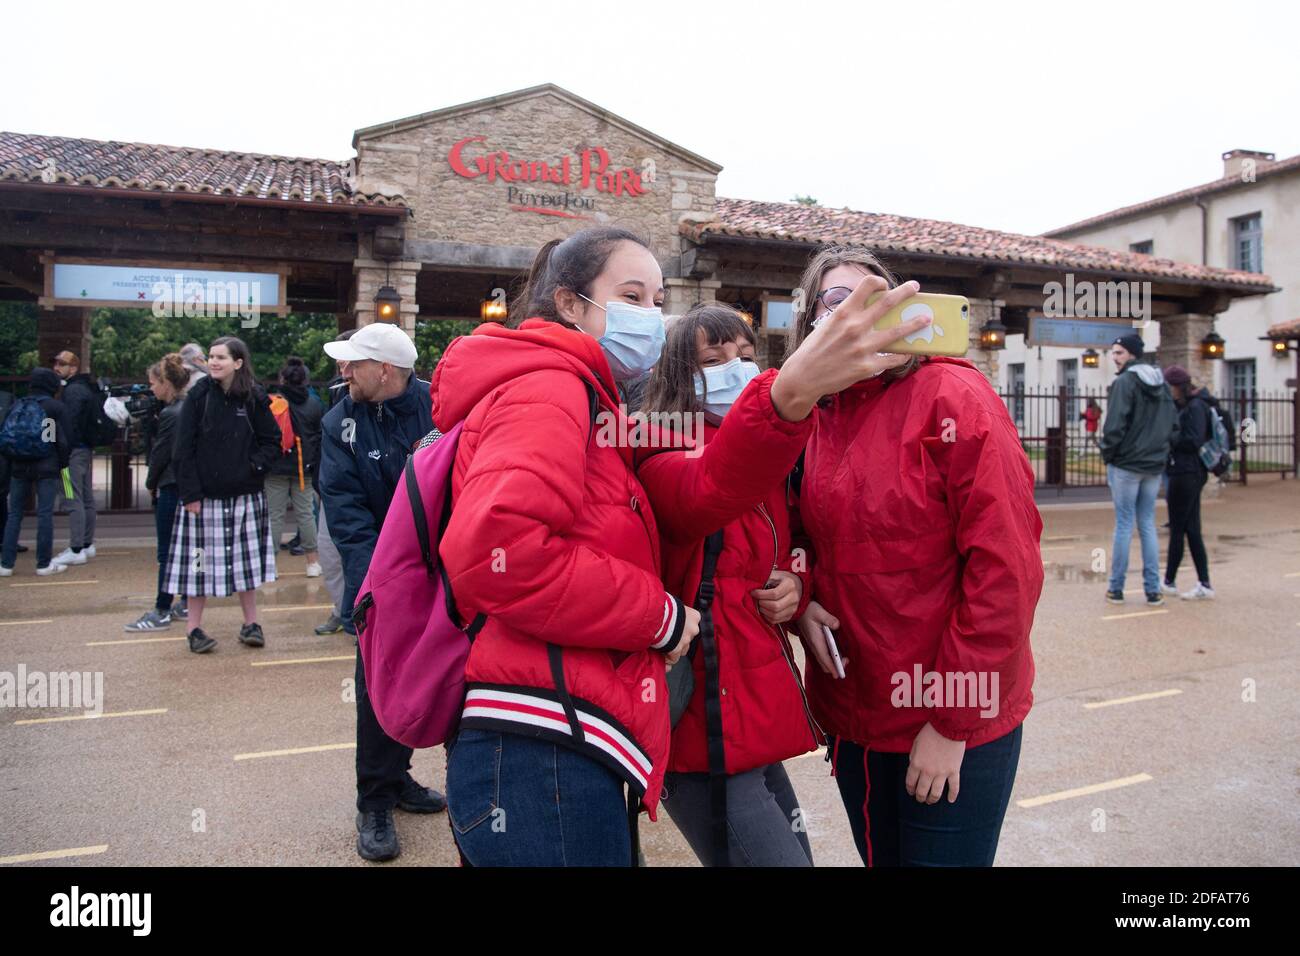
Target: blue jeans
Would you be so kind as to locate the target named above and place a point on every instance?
(164, 512)
(46, 489)
(906, 833)
(1134, 495)
(518, 801)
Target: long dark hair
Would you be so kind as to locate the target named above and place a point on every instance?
(242, 383)
(672, 383)
(294, 372)
(573, 264)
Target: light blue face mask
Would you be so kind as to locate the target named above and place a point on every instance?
(633, 339)
(718, 386)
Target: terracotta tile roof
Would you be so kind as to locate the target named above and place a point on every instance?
(1262, 171)
(901, 234)
(149, 168)
(1285, 330)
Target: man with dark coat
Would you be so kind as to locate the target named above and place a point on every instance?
(40, 472)
(366, 438)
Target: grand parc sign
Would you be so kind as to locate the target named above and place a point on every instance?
(587, 170)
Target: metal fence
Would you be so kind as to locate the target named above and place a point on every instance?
(1063, 449)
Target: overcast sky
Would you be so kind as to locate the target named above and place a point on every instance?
(1012, 116)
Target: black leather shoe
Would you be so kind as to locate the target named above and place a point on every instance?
(251, 634)
(377, 836)
(200, 643)
(417, 799)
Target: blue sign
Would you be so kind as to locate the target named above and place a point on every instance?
(1075, 333)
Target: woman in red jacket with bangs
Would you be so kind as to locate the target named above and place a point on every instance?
(918, 505)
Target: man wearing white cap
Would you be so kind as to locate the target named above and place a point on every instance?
(366, 438)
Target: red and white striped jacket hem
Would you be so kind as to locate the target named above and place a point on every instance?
(670, 628)
(535, 712)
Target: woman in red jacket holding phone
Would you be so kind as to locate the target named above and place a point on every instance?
(918, 506)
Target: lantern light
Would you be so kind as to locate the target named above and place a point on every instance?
(1280, 348)
(993, 336)
(492, 310)
(1091, 358)
(387, 304)
(1212, 346)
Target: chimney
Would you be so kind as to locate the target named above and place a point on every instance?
(1244, 163)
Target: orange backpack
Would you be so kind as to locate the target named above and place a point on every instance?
(288, 440)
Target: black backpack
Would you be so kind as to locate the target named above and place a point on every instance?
(102, 429)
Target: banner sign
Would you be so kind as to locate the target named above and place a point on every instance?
(1075, 333)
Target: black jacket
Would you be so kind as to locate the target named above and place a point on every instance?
(306, 413)
(161, 450)
(223, 447)
(43, 388)
(358, 478)
(1193, 432)
(81, 403)
(1141, 420)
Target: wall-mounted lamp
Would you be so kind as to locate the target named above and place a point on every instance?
(993, 336)
(387, 304)
(492, 310)
(1091, 358)
(1212, 346)
(1280, 348)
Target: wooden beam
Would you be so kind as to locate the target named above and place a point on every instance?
(112, 243)
(23, 282)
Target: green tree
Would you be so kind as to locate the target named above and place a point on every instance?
(805, 201)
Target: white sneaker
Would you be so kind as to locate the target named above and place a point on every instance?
(52, 568)
(68, 556)
(1198, 593)
(6, 572)
(313, 570)
(1167, 588)
(88, 550)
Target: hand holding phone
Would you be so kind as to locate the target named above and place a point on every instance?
(831, 646)
(947, 334)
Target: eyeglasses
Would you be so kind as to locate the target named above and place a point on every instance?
(834, 296)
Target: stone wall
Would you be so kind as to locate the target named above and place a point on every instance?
(1180, 344)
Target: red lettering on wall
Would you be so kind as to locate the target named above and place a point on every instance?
(593, 169)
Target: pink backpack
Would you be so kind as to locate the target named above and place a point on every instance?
(412, 645)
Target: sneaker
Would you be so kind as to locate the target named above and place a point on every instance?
(251, 635)
(1202, 592)
(68, 556)
(377, 836)
(52, 568)
(1167, 588)
(9, 572)
(200, 643)
(417, 799)
(314, 570)
(297, 550)
(22, 548)
(1155, 599)
(1115, 597)
(332, 625)
(88, 550)
(151, 620)
(180, 612)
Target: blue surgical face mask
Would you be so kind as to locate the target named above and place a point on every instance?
(633, 339)
(718, 386)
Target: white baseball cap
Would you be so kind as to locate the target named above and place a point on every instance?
(380, 341)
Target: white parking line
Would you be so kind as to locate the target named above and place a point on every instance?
(133, 640)
(120, 713)
(304, 660)
(53, 584)
(1120, 617)
(1084, 791)
(1129, 700)
(295, 750)
(300, 607)
(54, 854)
(50, 620)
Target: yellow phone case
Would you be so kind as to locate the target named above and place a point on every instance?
(949, 334)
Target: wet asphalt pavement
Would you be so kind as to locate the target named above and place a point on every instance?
(1192, 757)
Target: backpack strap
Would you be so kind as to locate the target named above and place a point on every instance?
(713, 701)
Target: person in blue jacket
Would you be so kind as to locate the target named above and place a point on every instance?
(365, 440)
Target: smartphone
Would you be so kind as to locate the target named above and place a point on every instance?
(835, 652)
(948, 334)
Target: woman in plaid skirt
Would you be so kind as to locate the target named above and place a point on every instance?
(226, 442)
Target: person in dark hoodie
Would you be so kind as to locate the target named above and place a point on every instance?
(293, 476)
(80, 399)
(226, 442)
(168, 380)
(366, 438)
(1141, 422)
(1187, 476)
(40, 471)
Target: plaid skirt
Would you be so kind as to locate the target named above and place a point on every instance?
(223, 549)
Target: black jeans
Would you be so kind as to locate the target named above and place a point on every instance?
(382, 763)
(164, 513)
(1184, 501)
(906, 833)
